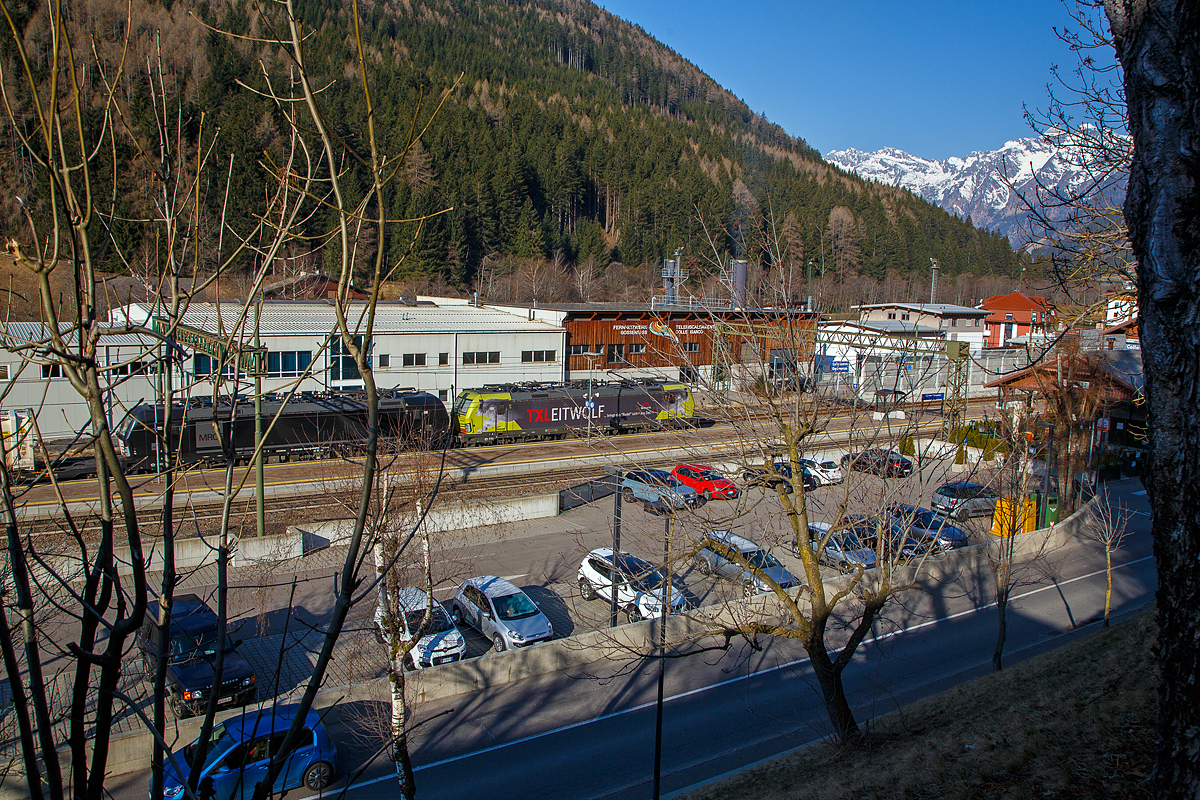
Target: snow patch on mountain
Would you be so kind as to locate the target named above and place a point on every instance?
(978, 185)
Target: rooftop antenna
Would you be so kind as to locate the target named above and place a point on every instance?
(933, 284)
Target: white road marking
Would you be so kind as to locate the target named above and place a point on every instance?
(701, 689)
(1139, 494)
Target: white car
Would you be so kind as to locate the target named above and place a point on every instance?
(639, 585)
(440, 641)
(827, 473)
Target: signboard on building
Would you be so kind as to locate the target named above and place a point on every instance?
(934, 396)
(839, 366)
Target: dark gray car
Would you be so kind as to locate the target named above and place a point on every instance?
(501, 612)
(718, 557)
(921, 523)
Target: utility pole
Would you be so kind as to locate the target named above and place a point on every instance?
(810, 269)
(260, 510)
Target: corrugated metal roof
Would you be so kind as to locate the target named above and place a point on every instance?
(319, 319)
(15, 334)
(938, 309)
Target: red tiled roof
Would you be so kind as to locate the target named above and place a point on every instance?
(1017, 301)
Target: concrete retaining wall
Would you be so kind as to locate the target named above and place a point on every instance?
(195, 552)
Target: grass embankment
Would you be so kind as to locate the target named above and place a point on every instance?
(1077, 722)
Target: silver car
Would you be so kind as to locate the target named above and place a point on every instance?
(963, 499)
(717, 558)
(501, 612)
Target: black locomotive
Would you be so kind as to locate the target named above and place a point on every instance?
(310, 425)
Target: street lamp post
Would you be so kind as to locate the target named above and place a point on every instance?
(615, 477)
(662, 655)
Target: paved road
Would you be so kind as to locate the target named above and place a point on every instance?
(589, 733)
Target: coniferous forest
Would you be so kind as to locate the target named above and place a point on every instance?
(570, 145)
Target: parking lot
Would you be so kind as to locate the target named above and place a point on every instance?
(280, 628)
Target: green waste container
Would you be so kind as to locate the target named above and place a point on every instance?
(1047, 507)
(1051, 515)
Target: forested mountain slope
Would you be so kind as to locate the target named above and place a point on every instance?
(568, 136)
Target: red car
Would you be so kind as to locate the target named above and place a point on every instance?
(707, 482)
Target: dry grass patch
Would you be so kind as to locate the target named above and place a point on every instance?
(1078, 722)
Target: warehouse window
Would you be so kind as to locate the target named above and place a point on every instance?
(414, 359)
(5, 374)
(891, 315)
(51, 370)
(579, 349)
(616, 352)
(204, 366)
(443, 394)
(954, 322)
(904, 316)
(637, 349)
(288, 363)
(342, 366)
(492, 357)
(691, 347)
(443, 359)
(534, 356)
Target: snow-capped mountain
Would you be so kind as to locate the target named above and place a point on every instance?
(976, 185)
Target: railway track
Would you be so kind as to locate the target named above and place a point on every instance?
(200, 511)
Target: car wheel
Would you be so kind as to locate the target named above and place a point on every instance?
(585, 590)
(180, 709)
(407, 662)
(318, 776)
(456, 615)
(706, 494)
(749, 589)
(627, 493)
(633, 614)
(498, 643)
(787, 488)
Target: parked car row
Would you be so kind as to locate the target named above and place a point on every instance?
(693, 485)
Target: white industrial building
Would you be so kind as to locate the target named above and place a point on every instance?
(439, 347)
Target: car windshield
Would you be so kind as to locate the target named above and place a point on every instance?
(651, 580)
(849, 540)
(202, 645)
(829, 465)
(514, 606)
(927, 519)
(760, 559)
(438, 622)
(709, 475)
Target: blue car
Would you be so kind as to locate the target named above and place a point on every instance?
(240, 750)
(660, 489)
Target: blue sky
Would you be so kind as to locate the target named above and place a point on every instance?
(935, 78)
